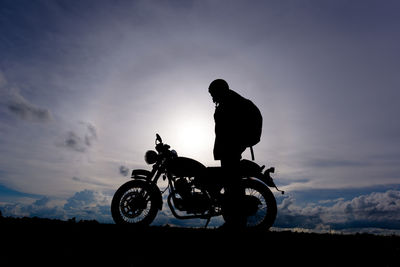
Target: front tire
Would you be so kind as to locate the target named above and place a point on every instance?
(135, 203)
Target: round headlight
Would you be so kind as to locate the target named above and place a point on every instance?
(174, 153)
(151, 157)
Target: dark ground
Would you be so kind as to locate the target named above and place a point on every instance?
(39, 242)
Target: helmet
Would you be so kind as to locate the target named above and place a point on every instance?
(150, 157)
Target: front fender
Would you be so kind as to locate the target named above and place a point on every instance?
(154, 189)
(141, 174)
(145, 175)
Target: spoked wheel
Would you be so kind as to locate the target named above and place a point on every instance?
(134, 203)
(259, 205)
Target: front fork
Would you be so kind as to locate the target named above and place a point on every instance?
(147, 176)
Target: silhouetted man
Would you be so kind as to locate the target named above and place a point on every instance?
(228, 147)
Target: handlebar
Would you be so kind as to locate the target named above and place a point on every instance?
(158, 139)
(160, 147)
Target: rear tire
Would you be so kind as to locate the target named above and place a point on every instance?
(259, 205)
(135, 203)
(266, 210)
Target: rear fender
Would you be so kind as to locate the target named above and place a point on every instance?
(256, 179)
(250, 168)
(266, 179)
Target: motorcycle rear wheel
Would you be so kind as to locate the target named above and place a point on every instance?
(259, 205)
(134, 203)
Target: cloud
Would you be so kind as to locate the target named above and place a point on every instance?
(19, 105)
(285, 181)
(91, 133)
(371, 211)
(124, 171)
(41, 202)
(27, 111)
(290, 215)
(377, 210)
(333, 163)
(88, 181)
(89, 205)
(83, 205)
(3, 81)
(85, 198)
(39, 208)
(82, 141)
(74, 142)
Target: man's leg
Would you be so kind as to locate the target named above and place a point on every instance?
(234, 192)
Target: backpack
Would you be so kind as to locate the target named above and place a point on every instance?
(240, 122)
(251, 124)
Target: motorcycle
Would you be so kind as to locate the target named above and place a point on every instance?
(195, 191)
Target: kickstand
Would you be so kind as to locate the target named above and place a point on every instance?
(208, 221)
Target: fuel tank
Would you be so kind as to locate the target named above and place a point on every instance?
(185, 167)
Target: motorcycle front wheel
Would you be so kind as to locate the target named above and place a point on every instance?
(134, 203)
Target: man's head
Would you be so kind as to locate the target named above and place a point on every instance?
(218, 90)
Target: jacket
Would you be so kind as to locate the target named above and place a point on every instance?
(228, 128)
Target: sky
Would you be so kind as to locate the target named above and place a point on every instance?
(86, 85)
